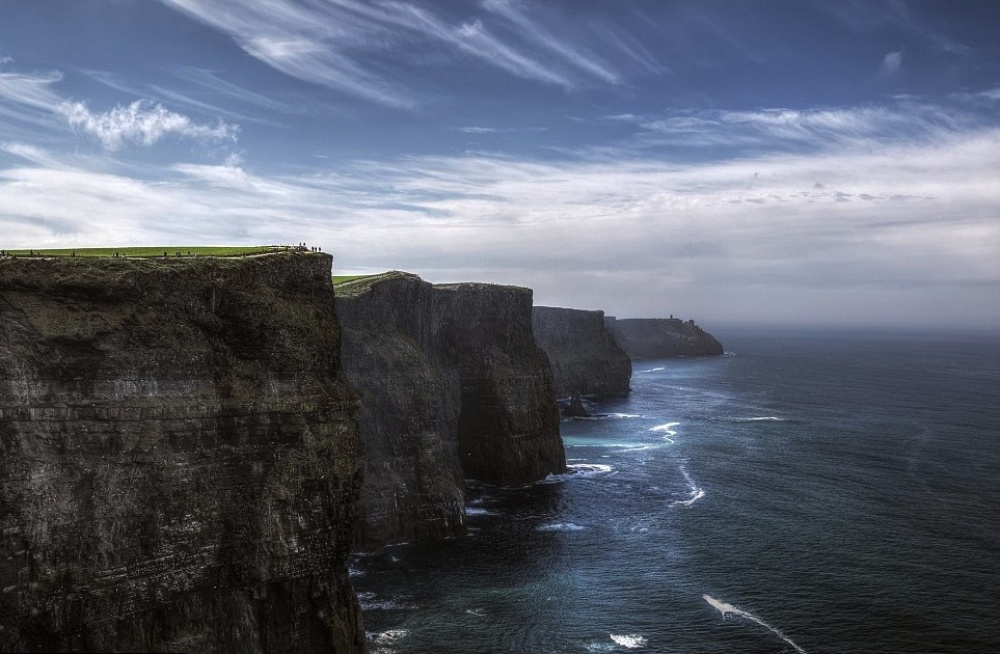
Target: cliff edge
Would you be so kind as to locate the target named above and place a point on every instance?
(660, 338)
(179, 457)
(453, 387)
(584, 355)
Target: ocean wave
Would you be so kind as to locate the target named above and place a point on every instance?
(656, 369)
(727, 609)
(371, 602)
(577, 470)
(380, 640)
(475, 510)
(630, 641)
(760, 419)
(561, 526)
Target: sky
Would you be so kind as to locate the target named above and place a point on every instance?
(780, 161)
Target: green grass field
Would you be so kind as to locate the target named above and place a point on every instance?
(151, 252)
(354, 285)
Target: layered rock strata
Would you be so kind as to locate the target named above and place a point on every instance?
(179, 457)
(659, 338)
(584, 355)
(453, 387)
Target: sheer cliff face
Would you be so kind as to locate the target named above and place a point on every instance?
(584, 355)
(658, 338)
(509, 421)
(453, 387)
(178, 457)
(413, 486)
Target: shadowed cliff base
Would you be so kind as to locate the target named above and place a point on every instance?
(453, 387)
(179, 457)
(661, 338)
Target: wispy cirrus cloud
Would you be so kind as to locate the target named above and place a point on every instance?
(141, 122)
(338, 44)
(32, 99)
(806, 129)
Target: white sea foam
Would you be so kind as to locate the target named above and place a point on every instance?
(561, 526)
(623, 415)
(668, 431)
(371, 602)
(760, 419)
(696, 492)
(589, 469)
(385, 638)
(475, 510)
(727, 609)
(656, 369)
(631, 641)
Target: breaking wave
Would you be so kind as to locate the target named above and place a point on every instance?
(629, 642)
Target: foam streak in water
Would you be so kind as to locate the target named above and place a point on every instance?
(727, 609)
(696, 492)
(668, 431)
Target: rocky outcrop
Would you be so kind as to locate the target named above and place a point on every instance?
(414, 484)
(660, 338)
(179, 457)
(584, 355)
(453, 387)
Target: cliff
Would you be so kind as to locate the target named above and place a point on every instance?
(453, 387)
(658, 338)
(508, 428)
(413, 485)
(179, 457)
(584, 355)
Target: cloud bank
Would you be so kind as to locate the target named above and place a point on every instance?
(846, 232)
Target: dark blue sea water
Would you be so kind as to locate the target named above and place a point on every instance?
(808, 492)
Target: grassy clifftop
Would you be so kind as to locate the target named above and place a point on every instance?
(155, 251)
(349, 286)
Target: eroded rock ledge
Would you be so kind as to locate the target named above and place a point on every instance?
(660, 338)
(584, 355)
(454, 387)
(179, 457)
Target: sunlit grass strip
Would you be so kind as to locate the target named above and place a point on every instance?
(354, 285)
(150, 252)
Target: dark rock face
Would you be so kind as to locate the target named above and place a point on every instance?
(453, 387)
(508, 430)
(413, 487)
(584, 355)
(659, 338)
(179, 458)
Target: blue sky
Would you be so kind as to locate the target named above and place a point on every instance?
(784, 161)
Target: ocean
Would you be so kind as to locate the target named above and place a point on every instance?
(810, 491)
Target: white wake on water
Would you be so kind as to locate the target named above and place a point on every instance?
(696, 492)
(727, 609)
